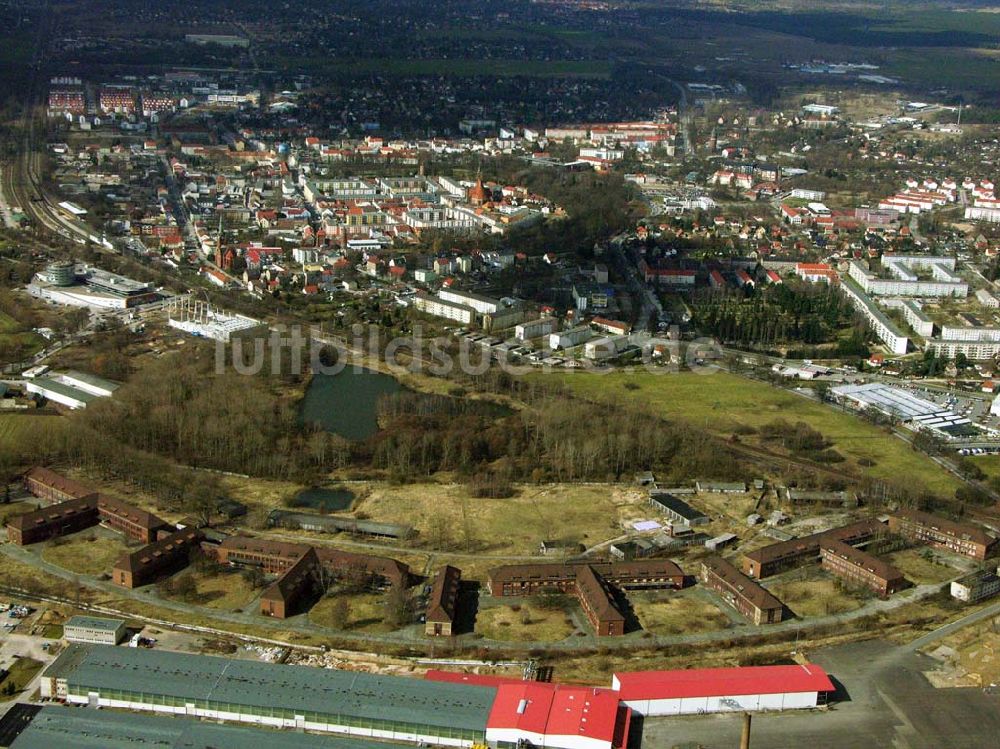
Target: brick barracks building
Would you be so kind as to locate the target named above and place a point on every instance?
(592, 583)
(300, 568)
(78, 508)
(443, 602)
(860, 568)
(941, 533)
(49, 485)
(741, 592)
(157, 559)
(798, 551)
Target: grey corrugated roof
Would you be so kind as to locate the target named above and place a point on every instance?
(263, 685)
(81, 728)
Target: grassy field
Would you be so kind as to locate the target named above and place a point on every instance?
(988, 464)
(365, 612)
(818, 597)
(226, 590)
(446, 517)
(86, 553)
(12, 333)
(17, 429)
(723, 403)
(19, 675)
(920, 567)
(674, 614)
(525, 622)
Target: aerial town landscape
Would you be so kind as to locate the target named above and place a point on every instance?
(578, 374)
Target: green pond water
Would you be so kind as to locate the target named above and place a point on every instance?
(346, 403)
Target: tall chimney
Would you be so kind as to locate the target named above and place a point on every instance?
(745, 738)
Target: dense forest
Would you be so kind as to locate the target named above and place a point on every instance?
(781, 314)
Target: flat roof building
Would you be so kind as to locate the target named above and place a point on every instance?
(281, 696)
(719, 690)
(94, 630)
(976, 586)
(56, 727)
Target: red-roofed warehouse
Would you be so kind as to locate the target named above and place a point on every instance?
(712, 690)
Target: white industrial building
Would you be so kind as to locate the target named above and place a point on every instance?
(900, 404)
(95, 630)
(202, 319)
(87, 286)
(605, 348)
(719, 690)
(71, 389)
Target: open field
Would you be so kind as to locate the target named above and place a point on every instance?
(988, 464)
(87, 552)
(523, 622)
(19, 675)
(446, 517)
(723, 403)
(218, 590)
(18, 428)
(365, 612)
(820, 596)
(922, 565)
(672, 613)
(16, 338)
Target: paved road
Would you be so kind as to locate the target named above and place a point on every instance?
(947, 629)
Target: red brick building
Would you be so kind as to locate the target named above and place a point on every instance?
(53, 487)
(598, 603)
(960, 538)
(798, 551)
(299, 583)
(442, 603)
(164, 557)
(860, 568)
(56, 520)
(741, 592)
(298, 564)
(133, 523)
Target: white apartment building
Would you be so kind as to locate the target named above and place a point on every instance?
(484, 305)
(883, 327)
(440, 307)
(906, 283)
(922, 325)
